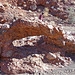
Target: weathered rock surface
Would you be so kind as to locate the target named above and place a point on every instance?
(31, 41)
(32, 63)
(30, 45)
(7, 50)
(52, 6)
(23, 51)
(54, 35)
(51, 56)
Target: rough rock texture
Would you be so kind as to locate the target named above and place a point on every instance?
(31, 41)
(28, 44)
(52, 6)
(54, 36)
(26, 60)
(30, 64)
(22, 49)
(51, 56)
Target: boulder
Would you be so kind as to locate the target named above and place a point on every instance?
(73, 2)
(51, 56)
(57, 59)
(5, 26)
(30, 34)
(23, 41)
(33, 7)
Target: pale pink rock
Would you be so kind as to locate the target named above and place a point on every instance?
(25, 65)
(31, 40)
(51, 56)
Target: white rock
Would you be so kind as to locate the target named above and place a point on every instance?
(68, 32)
(60, 27)
(19, 7)
(31, 18)
(64, 43)
(63, 31)
(30, 40)
(34, 14)
(0, 25)
(5, 26)
(52, 23)
(30, 11)
(61, 58)
(10, 5)
(52, 7)
(1, 4)
(70, 37)
(24, 5)
(73, 2)
(36, 17)
(57, 29)
(60, 24)
(50, 26)
(21, 14)
(42, 22)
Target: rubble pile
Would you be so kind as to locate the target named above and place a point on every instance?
(52, 6)
(33, 45)
(56, 8)
(31, 64)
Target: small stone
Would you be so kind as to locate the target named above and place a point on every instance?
(51, 56)
(21, 14)
(30, 11)
(5, 4)
(0, 25)
(5, 26)
(19, 7)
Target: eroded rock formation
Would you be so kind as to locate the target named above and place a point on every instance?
(28, 45)
(30, 54)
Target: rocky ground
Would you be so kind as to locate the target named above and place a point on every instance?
(31, 46)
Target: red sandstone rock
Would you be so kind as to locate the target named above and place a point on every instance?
(53, 38)
(22, 59)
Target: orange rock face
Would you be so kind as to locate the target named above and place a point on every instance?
(20, 30)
